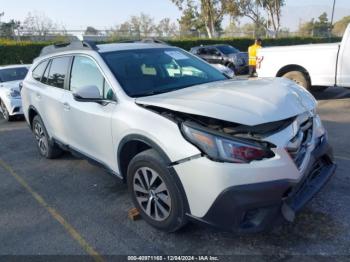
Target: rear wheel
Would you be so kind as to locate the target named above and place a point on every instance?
(232, 67)
(300, 78)
(318, 88)
(155, 192)
(47, 148)
(5, 112)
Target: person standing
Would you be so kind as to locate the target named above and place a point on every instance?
(252, 52)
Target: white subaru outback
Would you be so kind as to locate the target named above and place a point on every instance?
(190, 143)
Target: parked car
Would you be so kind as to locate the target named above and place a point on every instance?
(313, 66)
(10, 97)
(189, 142)
(225, 70)
(226, 55)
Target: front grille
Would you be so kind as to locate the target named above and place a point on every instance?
(297, 147)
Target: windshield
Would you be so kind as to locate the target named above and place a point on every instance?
(13, 74)
(146, 72)
(227, 49)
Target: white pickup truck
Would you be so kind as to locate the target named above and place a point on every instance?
(313, 66)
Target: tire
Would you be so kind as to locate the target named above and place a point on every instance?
(46, 147)
(159, 198)
(318, 88)
(300, 78)
(5, 112)
(232, 67)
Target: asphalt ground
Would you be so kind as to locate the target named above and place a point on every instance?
(70, 207)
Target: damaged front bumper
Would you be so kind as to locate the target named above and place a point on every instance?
(257, 207)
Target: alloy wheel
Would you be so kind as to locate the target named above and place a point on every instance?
(4, 111)
(40, 138)
(152, 194)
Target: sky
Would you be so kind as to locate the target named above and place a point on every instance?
(103, 14)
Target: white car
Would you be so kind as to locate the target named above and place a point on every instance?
(313, 66)
(189, 142)
(10, 97)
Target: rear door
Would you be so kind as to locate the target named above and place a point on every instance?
(88, 124)
(51, 94)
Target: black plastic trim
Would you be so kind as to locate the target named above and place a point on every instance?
(229, 210)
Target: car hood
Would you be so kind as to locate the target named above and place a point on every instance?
(10, 85)
(247, 102)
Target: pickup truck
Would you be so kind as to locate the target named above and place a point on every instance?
(313, 66)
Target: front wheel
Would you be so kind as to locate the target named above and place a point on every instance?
(155, 192)
(300, 78)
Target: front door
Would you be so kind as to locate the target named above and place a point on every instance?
(88, 124)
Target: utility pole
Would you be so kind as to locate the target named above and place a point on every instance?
(331, 25)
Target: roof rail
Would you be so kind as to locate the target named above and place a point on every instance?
(75, 45)
(145, 40)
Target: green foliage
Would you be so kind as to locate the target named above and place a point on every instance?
(243, 43)
(12, 52)
(340, 26)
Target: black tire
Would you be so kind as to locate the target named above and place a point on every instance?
(174, 215)
(5, 112)
(232, 67)
(318, 88)
(300, 78)
(46, 147)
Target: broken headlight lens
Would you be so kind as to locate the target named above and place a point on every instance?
(225, 149)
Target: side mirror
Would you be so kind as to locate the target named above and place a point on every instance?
(87, 94)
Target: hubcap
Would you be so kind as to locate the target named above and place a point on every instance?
(40, 137)
(152, 194)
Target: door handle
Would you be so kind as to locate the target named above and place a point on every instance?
(66, 106)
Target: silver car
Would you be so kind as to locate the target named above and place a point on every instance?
(10, 97)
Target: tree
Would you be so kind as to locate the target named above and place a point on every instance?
(209, 12)
(273, 9)
(340, 26)
(322, 26)
(252, 10)
(146, 24)
(91, 31)
(38, 24)
(143, 25)
(166, 28)
(7, 29)
(189, 21)
(307, 28)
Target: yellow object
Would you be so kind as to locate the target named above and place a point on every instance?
(252, 51)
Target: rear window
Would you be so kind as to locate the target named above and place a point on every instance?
(58, 71)
(13, 74)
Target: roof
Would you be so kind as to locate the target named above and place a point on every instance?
(13, 66)
(102, 48)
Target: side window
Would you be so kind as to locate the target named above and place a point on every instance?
(86, 73)
(39, 71)
(58, 71)
(45, 77)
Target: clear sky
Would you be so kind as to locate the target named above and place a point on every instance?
(103, 14)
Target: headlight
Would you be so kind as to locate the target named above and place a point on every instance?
(225, 149)
(13, 93)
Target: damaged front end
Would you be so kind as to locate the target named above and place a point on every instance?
(224, 141)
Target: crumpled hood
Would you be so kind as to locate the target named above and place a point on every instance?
(245, 102)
